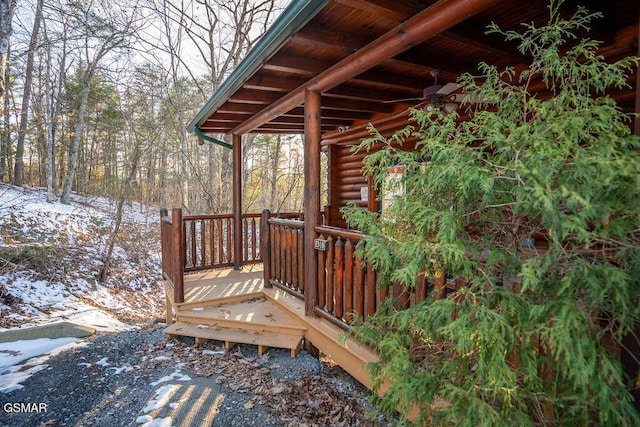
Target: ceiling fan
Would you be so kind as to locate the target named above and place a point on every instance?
(439, 97)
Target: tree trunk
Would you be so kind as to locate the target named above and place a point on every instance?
(117, 221)
(75, 143)
(6, 126)
(7, 7)
(26, 98)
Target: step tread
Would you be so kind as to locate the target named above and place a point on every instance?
(267, 338)
(253, 313)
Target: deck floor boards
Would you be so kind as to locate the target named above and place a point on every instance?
(224, 283)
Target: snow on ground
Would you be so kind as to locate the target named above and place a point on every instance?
(34, 354)
(50, 258)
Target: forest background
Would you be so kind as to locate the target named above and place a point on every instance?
(95, 97)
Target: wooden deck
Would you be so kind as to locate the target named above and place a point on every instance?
(232, 306)
(213, 285)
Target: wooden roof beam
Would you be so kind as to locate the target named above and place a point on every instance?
(428, 23)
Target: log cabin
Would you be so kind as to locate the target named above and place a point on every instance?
(326, 69)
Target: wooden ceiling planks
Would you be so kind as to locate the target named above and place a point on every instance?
(343, 28)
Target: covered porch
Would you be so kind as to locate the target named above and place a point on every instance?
(326, 70)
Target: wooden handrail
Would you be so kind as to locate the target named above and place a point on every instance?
(339, 232)
(293, 223)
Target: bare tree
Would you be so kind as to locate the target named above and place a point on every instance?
(102, 35)
(221, 32)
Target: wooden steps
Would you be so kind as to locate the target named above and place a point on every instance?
(232, 336)
(255, 320)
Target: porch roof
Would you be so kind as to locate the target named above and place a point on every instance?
(361, 54)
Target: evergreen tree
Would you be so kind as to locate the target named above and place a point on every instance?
(533, 203)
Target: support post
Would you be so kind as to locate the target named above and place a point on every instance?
(177, 249)
(265, 246)
(237, 201)
(312, 136)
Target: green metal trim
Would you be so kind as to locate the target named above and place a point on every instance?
(201, 135)
(298, 13)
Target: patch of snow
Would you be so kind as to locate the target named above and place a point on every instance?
(160, 358)
(12, 353)
(121, 369)
(161, 397)
(35, 353)
(103, 362)
(177, 375)
(13, 378)
(160, 422)
(144, 419)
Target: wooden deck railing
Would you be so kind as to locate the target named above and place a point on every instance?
(208, 241)
(347, 286)
(203, 242)
(284, 265)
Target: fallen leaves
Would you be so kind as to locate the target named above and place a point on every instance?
(297, 399)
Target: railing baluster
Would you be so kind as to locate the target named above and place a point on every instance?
(294, 260)
(220, 242)
(330, 279)
(322, 278)
(245, 240)
(359, 288)
(421, 287)
(194, 261)
(212, 245)
(203, 243)
(372, 306)
(229, 241)
(254, 240)
(348, 279)
(300, 238)
(339, 292)
(441, 279)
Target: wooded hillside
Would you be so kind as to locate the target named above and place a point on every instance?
(95, 98)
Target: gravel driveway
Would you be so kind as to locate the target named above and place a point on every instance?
(139, 378)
